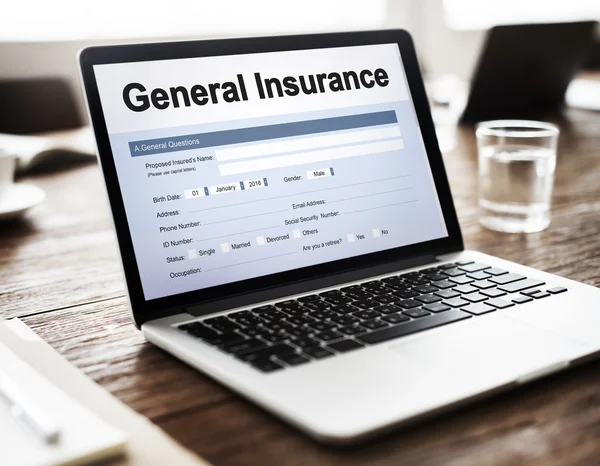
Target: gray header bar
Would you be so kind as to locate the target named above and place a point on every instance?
(259, 133)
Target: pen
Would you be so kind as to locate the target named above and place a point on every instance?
(27, 412)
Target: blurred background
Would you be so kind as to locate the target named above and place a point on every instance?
(40, 39)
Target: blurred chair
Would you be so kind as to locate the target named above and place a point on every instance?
(37, 105)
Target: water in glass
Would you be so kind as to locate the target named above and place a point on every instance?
(516, 187)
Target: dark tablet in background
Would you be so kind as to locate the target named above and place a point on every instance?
(524, 70)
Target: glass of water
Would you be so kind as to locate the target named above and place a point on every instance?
(517, 159)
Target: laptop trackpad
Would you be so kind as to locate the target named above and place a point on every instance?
(494, 349)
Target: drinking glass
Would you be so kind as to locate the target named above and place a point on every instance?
(517, 159)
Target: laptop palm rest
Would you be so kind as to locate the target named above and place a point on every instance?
(491, 350)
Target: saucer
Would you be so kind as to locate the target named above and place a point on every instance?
(18, 199)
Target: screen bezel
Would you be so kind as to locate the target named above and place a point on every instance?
(144, 310)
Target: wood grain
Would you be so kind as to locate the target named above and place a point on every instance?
(59, 270)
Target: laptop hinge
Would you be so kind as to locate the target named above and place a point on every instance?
(306, 286)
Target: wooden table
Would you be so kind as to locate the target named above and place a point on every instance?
(59, 271)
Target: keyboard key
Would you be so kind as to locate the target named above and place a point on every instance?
(493, 292)
(373, 324)
(328, 335)
(428, 298)
(481, 275)
(388, 309)
(305, 342)
(385, 299)
(317, 352)
(453, 272)
(366, 315)
(483, 284)
(245, 346)
(425, 289)
(464, 289)
(274, 337)
(266, 365)
(437, 276)
(251, 331)
(544, 294)
(241, 315)
(358, 294)
(396, 318)
(419, 325)
(292, 359)
(265, 308)
(447, 294)
(345, 345)
(397, 286)
(456, 302)
(531, 292)
(408, 303)
(436, 307)
(499, 303)
(443, 284)
(406, 294)
(309, 298)
(227, 339)
(417, 280)
(288, 304)
(461, 280)
(322, 315)
(475, 297)
(474, 267)
(339, 301)
(464, 262)
(322, 326)
(345, 309)
(495, 271)
(416, 313)
(266, 353)
(450, 265)
(331, 294)
(365, 303)
(506, 278)
(557, 289)
(317, 305)
(344, 320)
(478, 308)
(352, 330)
(522, 299)
(520, 285)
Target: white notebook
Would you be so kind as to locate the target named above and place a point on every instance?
(84, 437)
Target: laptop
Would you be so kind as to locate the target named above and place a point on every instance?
(286, 227)
(524, 69)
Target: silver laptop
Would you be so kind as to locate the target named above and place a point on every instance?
(286, 227)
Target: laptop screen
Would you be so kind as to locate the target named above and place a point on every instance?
(241, 166)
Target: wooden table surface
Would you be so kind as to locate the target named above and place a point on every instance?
(60, 273)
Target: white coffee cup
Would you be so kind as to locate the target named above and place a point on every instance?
(7, 172)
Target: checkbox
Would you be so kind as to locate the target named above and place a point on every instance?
(192, 254)
(296, 234)
(351, 237)
(260, 240)
(376, 232)
(224, 247)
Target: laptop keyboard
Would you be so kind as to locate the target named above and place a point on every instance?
(317, 326)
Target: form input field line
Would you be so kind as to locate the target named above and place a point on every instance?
(249, 262)
(380, 207)
(315, 142)
(247, 216)
(303, 193)
(303, 158)
(370, 195)
(236, 234)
